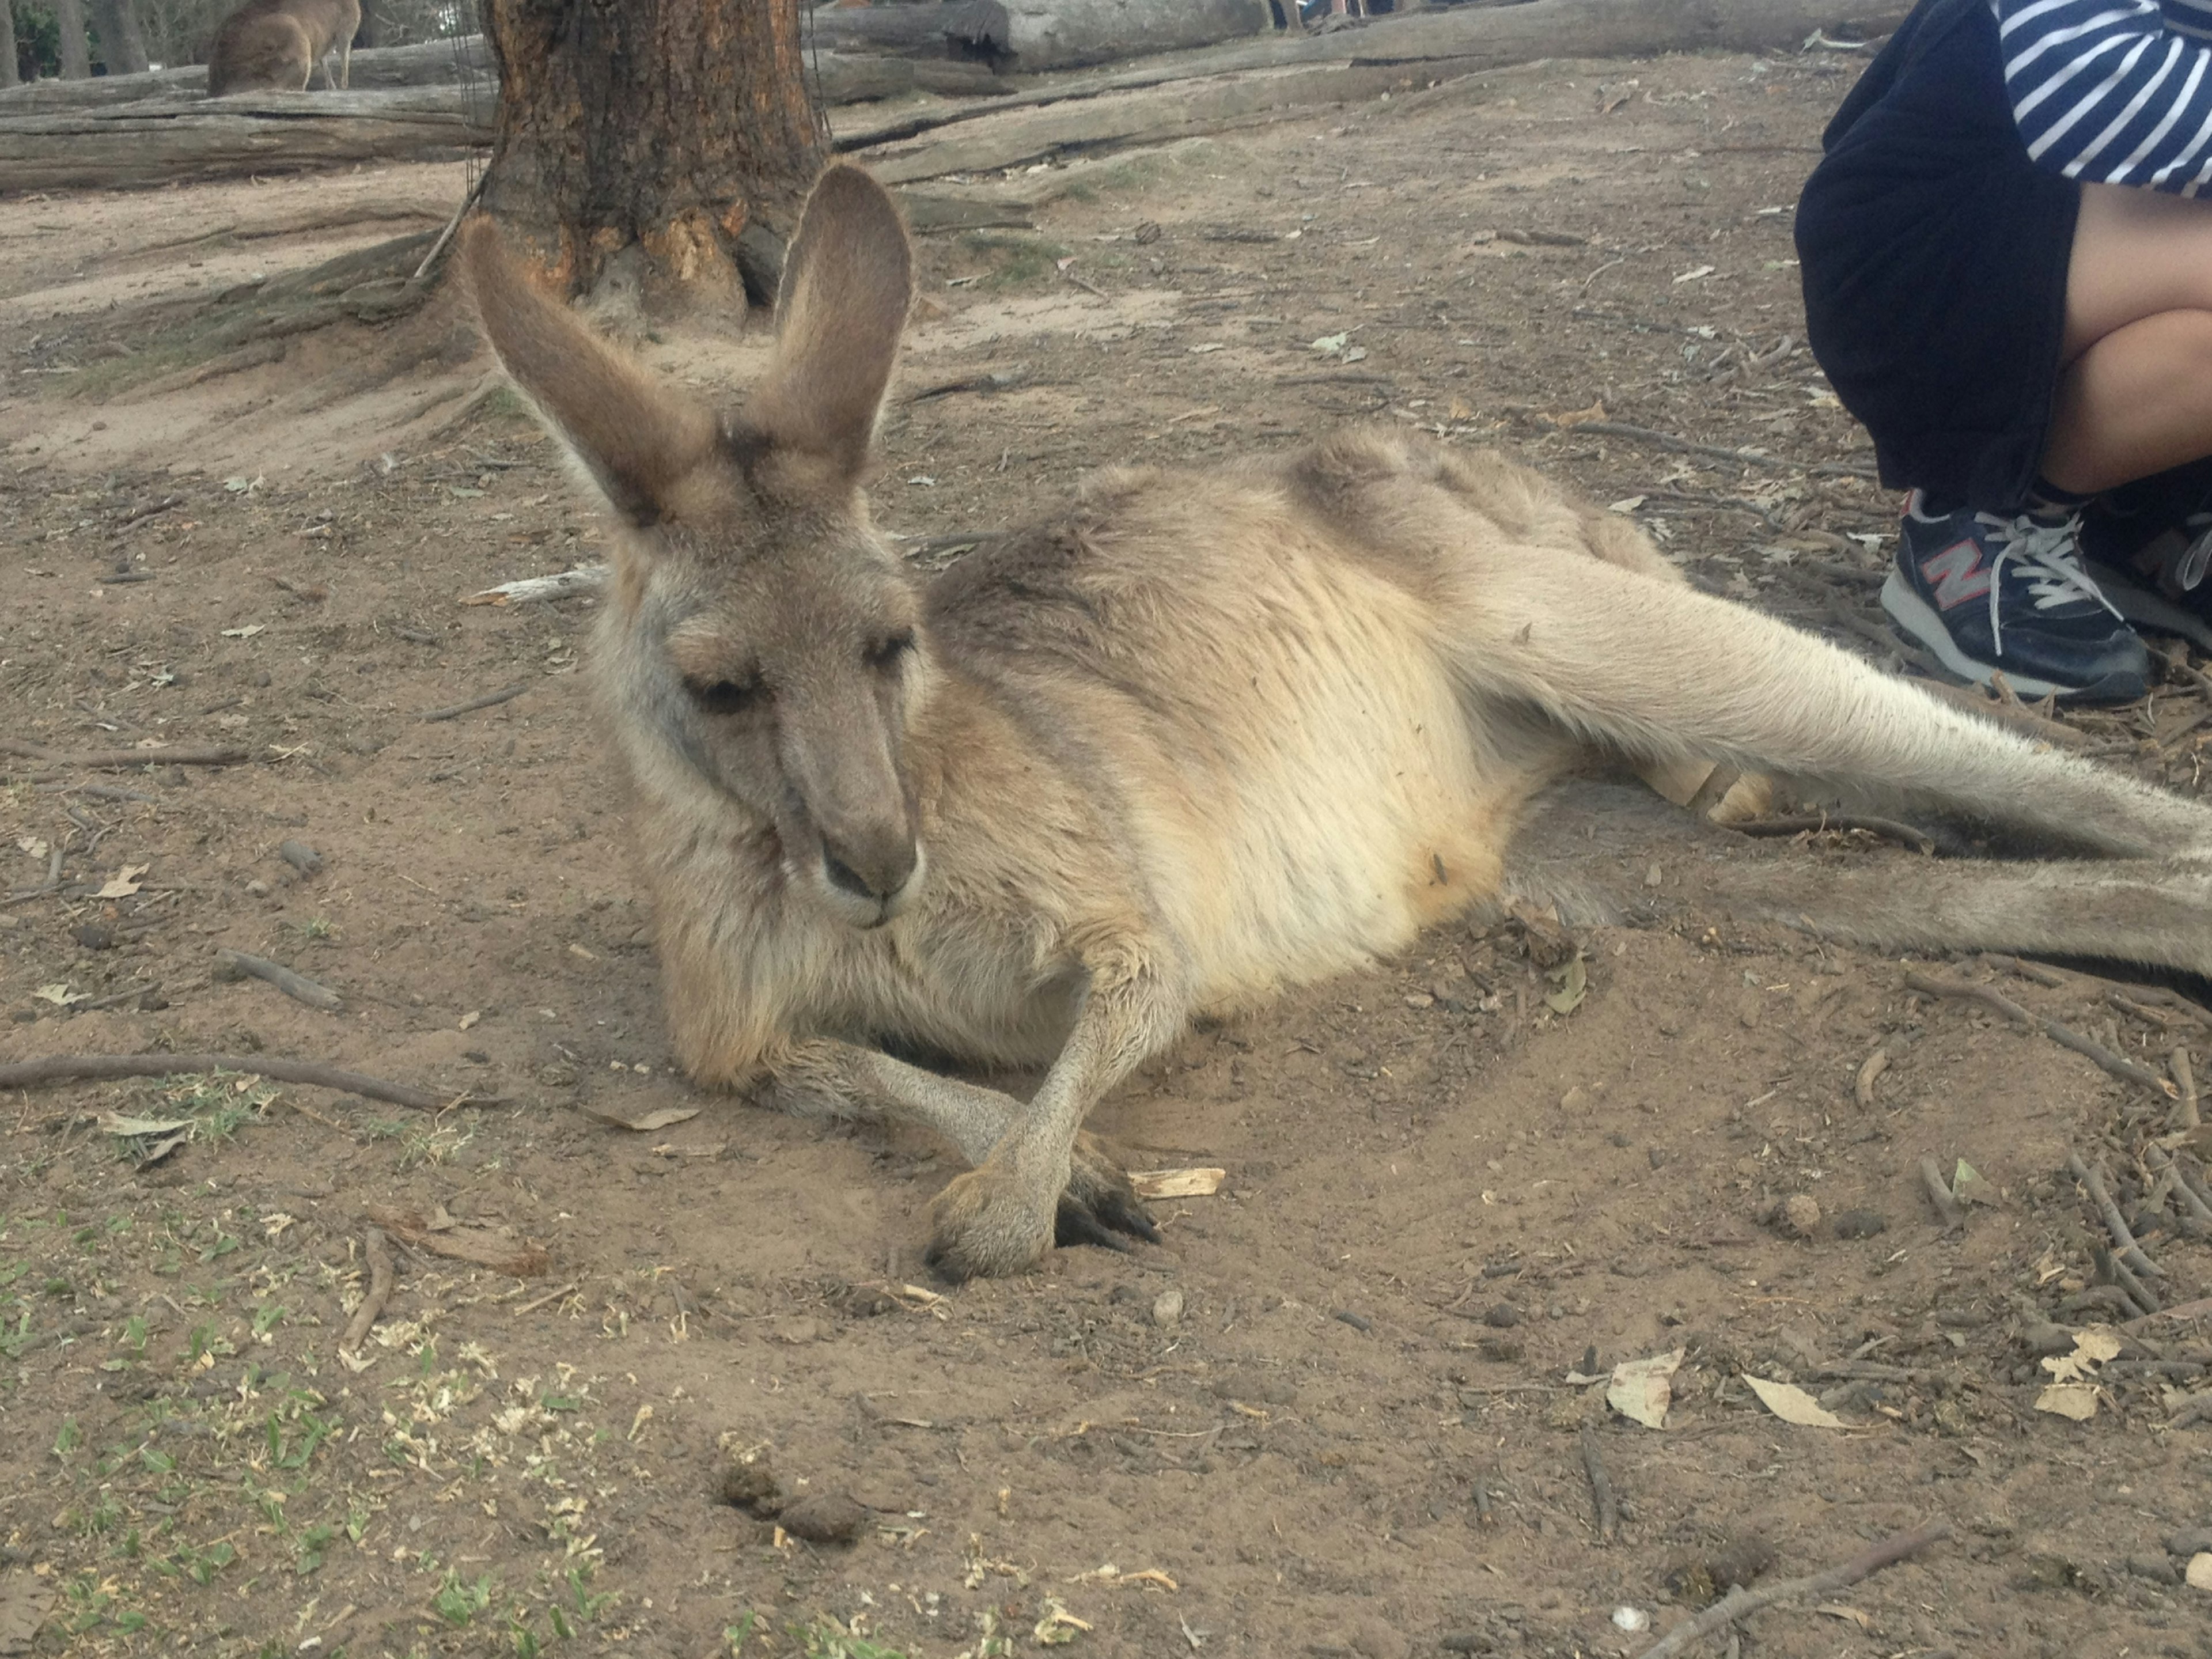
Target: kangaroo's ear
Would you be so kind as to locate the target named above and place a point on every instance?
(634, 438)
(848, 281)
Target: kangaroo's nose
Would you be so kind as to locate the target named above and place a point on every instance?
(878, 872)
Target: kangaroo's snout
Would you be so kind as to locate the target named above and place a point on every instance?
(876, 867)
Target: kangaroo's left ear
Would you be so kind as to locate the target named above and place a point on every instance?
(848, 283)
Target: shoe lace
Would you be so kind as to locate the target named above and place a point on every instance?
(2048, 554)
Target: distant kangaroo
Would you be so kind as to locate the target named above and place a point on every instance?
(1201, 737)
(273, 45)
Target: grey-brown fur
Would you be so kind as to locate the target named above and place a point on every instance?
(273, 45)
(1198, 738)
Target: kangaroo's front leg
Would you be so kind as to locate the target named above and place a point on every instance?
(842, 1080)
(1002, 1216)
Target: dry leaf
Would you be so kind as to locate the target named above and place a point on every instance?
(1626, 504)
(469, 1018)
(1178, 1183)
(1793, 1404)
(25, 1601)
(1573, 978)
(1968, 1186)
(123, 882)
(1837, 1610)
(658, 1118)
(30, 844)
(59, 994)
(1642, 1389)
(114, 1124)
(1566, 418)
(2199, 1576)
(2092, 1346)
(2077, 1401)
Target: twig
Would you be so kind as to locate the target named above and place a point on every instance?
(2114, 1273)
(378, 1251)
(490, 699)
(60, 1068)
(1739, 1601)
(148, 511)
(100, 759)
(2184, 1187)
(1713, 792)
(1486, 1514)
(532, 590)
(2115, 1224)
(1939, 1194)
(1608, 1510)
(2184, 1113)
(1870, 1068)
(236, 964)
(122, 996)
(452, 225)
(2195, 1409)
(550, 1296)
(1797, 824)
(97, 792)
(2119, 1065)
(2049, 977)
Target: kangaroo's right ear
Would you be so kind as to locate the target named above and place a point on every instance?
(634, 439)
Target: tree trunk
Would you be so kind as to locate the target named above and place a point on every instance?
(375, 31)
(121, 47)
(77, 56)
(639, 140)
(7, 72)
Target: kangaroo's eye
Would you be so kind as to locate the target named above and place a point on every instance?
(886, 652)
(725, 697)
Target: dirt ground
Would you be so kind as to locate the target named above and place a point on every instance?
(1343, 1411)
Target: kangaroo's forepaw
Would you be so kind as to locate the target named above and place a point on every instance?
(987, 1224)
(1099, 1201)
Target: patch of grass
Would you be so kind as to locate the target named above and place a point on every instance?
(1015, 258)
(457, 1602)
(826, 1638)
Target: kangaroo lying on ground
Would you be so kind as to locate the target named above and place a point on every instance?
(1200, 737)
(273, 45)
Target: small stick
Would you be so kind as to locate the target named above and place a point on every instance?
(2193, 1185)
(2185, 1115)
(2026, 970)
(2065, 1036)
(59, 1068)
(550, 1296)
(236, 964)
(1798, 823)
(122, 996)
(2192, 1411)
(1739, 1601)
(490, 699)
(2115, 1272)
(1870, 1068)
(1608, 1510)
(97, 792)
(528, 590)
(1939, 1194)
(98, 759)
(2130, 1252)
(1484, 1514)
(378, 1250)
(452, 225)
(2178, 1178)
(1714, 790)
(149, 510)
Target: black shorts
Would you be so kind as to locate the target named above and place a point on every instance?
(1934, 254)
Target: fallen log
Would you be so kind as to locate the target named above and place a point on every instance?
(1429, 46)
(1059, 34)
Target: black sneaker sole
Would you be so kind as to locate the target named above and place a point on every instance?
(1914, 617)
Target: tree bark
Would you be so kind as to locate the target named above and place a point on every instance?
(76, 54)
(639, 139)
(7, 72)
(121, 47)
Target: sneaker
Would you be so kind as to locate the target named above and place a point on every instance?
(2152, 558)
(1987, 592)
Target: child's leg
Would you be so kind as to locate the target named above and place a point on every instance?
(2136, 396)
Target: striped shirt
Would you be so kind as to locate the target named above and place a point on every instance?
(2116, 92)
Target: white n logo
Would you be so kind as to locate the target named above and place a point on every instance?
(1957, 574)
